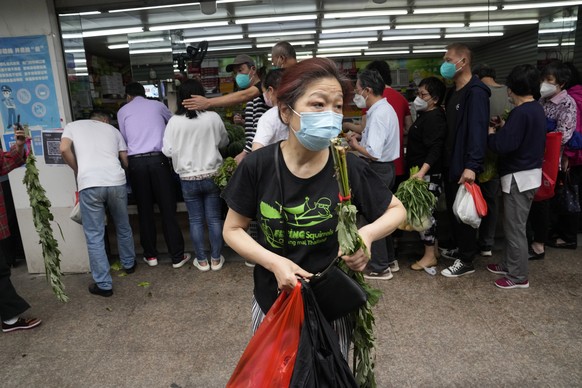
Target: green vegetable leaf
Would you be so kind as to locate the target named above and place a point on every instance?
(143, 284)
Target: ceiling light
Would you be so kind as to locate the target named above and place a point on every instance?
(187, 25)
(213, 38)
(116, 31)
(84, 68)
(239, 47)
(81, 74)
(80, 61)
(331, 49)
(564, 20)
(276, 19)
(529, 5)
(504, 23)
(438, 10)
(145, 40)
(340, 15)
(151, 51)
(350, 54)
(118, 46)
(352, 29)
(410, 37)
(232, 1)
(81, 13)
(556, 30)
(286, 33)
(473, 35)
(303, 43)
(387, 52)
(429, 51)
(347, 40)
(76, 35)
(152, 7)
(435, 25)
(74, 51)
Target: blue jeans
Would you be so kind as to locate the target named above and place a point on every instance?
(93, 202)
(202, 199)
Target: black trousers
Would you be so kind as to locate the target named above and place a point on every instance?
(464, 235)
(11, 304)
(152, 181)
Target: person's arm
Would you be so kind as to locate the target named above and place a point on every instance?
(123, 159)
(68, 154)
(203, 103)
(478, 121)
(15, 157)
(355, 145)
(508, 137)
(235, 235)
(433, 138)
(407, 123)
(167, 146)
(348, 126)
(566, 120)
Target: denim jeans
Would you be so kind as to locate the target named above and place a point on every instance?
(202, 199)
(93, 202)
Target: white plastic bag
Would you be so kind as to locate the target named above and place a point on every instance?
(464, 208)
(76, 214)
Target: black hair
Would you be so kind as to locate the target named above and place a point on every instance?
(284, 49)
(189, 88)
(483, 71)
(383, 68)
(273, 79)
(435, 87)
(524, 80)
(559, 70)
(575, 76)
(372, 79)
(135, 89)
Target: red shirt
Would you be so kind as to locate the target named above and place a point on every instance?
(402, 109)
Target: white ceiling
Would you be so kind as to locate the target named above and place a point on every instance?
(385, 27)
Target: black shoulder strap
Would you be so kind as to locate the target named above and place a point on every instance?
(282, 197)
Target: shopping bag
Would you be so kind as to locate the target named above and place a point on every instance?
(269, 357)
(550, 166)
(480, 203)
(464, 208)
(567, 199)
(76, 211)
(320, 362)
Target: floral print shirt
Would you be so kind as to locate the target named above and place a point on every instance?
(562, 109)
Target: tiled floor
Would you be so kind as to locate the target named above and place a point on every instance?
(188, 329)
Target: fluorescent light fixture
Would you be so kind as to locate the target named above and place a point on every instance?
(74, 51)
(305, 57)
(434, 25)
(300, 43)
(76, 35)
(239, 47)
(473, 35)
(362, 14)
(568, 43)
(347, 40)
(429, 51)
(350, 54)
(115, 31)
(118, 46)
(232, 1)
(396, 52)
(410, 37)
(81, 61)
(556, 30)
(212, 38)
(188, 25)
(151, 51)
(81, 13)
(352, 29)
(81, 68)
(286, 33)
(530, 5)
(276, 19)
(152, 7)
(548, 44)
(81, 74)
(145, 40)
(331, 49)
(298, 54)
(479, 8)
(565, 20)
(504, 23)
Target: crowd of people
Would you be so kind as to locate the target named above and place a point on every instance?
(477, 131)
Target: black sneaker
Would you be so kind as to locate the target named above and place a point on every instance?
(458, 269)
(21, 324)
(131, 269)
(95, 290)
(451, 254)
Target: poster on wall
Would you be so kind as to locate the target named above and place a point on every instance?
(51, 141)
(26, 84)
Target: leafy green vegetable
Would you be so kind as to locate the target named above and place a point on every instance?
(116, 266)
(418, 202)
(143, 284)
(225, 172)
(236, 140)
(42, 218)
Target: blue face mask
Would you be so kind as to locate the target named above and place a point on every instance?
(243, 80)
(448, 70)
(318, 128)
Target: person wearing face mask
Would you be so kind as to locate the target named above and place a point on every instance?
(379, 146)
(270, 128)
(424, 149)
(467, 112)
(560, 110)
(310, 99)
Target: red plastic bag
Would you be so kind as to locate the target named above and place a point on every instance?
(269, 358)
(480, 204)
(550, 166)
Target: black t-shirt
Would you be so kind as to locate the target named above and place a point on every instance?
(425, 140)
(452, 106)
(309, 211)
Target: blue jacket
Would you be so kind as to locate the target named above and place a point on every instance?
(472, 126)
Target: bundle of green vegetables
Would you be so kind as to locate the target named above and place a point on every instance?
(225, 172)
(236, 140)
(418, 202)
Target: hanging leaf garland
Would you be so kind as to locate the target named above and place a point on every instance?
(42, 218)
(350, 241)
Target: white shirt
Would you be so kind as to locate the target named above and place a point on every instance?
(97, 146)
(381, 136)
(526, 180)
(270, 128)
(193, 143)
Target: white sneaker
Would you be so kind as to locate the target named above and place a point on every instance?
(202, 268)
(216, 267)
(384, 275)
(152, 261)
(394, 267)
(185, 258)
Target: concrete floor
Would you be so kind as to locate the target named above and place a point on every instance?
(188, 329)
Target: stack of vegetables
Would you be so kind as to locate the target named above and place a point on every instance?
(236, 140)
(418, 202)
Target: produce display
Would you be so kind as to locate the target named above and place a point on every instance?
(418, 202)
(236, 140)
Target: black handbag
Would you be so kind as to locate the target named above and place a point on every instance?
(567, 198)
(337, 294)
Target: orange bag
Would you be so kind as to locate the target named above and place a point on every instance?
(550, 166)
(269, 358)
(480, 204)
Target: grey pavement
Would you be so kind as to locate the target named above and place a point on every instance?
(188, 328)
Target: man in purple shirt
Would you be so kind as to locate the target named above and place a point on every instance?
(142, 123)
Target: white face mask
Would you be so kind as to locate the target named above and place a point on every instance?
(360, 101)
(420, 105)
(548, 90)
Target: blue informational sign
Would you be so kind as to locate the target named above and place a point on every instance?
(27, 88)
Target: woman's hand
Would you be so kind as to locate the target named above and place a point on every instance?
(287, 272)
(358, 261)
